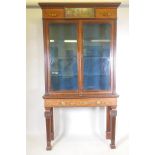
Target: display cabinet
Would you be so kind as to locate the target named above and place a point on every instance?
(79, 52)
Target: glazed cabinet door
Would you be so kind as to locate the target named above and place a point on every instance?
(80, 57)
(63, 75)
(97, 56)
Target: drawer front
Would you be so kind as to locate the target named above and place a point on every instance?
(80, 102)
(106, 13)
(53, 13)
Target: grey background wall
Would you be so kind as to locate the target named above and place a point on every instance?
(73, 121)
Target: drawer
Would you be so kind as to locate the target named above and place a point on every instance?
(80, 102)
(53, 13)
(106, 13)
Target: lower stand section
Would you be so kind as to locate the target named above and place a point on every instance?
(110, 122)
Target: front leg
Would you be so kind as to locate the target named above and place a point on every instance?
(108, 131)
(48, 128)
(113, 114)
(52, 125)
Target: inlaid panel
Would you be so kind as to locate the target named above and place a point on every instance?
(80, 102)
(106, 13)
(53, 13)
(79, 13)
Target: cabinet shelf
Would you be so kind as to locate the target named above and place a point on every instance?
(64, 58)
(64, 76)
(99, 41)
(95, 75)
(95, 57)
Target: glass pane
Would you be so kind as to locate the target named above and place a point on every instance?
(63, 56)
(97, 40)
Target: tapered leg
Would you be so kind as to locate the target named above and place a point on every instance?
(52, 125)
(48, 128)
(108, 131)
(113, 114)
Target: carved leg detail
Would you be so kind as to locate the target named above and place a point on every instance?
(52, 125)
(108, 131)
(113, 114)
(48, 128)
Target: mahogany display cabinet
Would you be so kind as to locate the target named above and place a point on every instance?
(79, 53)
